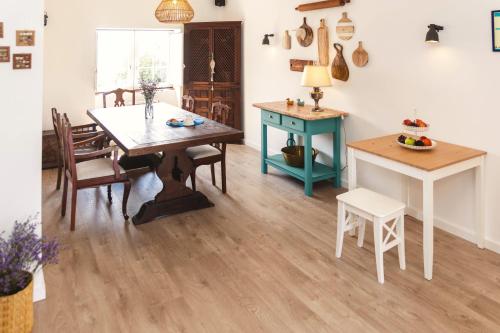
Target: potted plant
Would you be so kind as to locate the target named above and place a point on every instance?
(22, 254)
(149, 88)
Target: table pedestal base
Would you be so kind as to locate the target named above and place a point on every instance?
(175, 197)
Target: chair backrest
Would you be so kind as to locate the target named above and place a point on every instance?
(220, 112)
(69, 149)
(188, 103)
(119, 100)
(56, 122)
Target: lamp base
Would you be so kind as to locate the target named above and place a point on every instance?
(316, 95)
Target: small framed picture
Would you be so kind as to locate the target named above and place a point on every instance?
(21, 61)
(1, 29)
(4, 53)
(495, 26)
(25, 38)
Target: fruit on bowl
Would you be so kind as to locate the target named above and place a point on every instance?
(415, 123)
(423, 141)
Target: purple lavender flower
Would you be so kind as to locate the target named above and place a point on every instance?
(22, 254)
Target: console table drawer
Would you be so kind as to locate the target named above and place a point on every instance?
(293, 123)
(271, 117)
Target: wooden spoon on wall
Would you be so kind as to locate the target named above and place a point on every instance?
(360, 56)
(340, 71)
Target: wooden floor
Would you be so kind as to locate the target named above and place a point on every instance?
(261, 260)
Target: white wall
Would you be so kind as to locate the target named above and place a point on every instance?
(452, 85)
(21, 96)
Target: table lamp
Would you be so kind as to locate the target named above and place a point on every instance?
(316, 77)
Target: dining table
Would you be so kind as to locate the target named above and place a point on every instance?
(137, 136)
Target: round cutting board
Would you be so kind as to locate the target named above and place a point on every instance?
(360, 56)
(345, 28)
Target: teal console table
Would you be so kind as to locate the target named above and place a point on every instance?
(301, 121)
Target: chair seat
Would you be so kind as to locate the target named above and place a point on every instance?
(204, 151)
(371, 202)
(102, 167)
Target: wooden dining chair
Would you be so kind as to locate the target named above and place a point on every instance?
(220, 112)
(188, 103)
(81, 132)
(119, 100)
(208, 155)
(91, 172)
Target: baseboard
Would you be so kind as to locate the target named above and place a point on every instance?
(39, 292)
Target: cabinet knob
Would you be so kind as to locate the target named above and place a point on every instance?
(293, 123)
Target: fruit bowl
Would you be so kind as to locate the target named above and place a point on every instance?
(416, 129)
(434, 144)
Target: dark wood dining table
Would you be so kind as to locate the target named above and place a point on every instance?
(138, 136)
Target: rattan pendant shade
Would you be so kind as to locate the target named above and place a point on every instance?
(174, 11)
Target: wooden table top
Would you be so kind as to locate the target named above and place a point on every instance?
(443, 155)
(136, 135)
(301, 112)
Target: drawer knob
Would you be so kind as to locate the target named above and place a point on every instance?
(293, 123)
(271, 117)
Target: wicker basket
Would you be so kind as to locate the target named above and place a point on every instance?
(16, 311)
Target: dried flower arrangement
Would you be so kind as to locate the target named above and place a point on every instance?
(149, 87)
(22, 254)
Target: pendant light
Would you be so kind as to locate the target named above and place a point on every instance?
(174, 11)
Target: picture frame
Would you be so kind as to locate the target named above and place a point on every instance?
(495, 30)
(1, 29)
(25, 37)
(4, 54)
(21, 61)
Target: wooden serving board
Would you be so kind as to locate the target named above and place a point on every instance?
(287, 40)
(323, 44)
(345, 28)
(340, 71)
(360, 56)
(321, 5)
(307, 39)
(297, 65)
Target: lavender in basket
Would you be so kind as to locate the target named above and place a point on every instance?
(22, 254)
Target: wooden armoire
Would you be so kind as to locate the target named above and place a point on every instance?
(207, 44)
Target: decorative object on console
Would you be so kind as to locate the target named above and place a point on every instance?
(4, 54)
(316, 77)
(21, 61)
(25, 38)
(433, 33)
(323, 44)
(287, 40)
(174, 11)
(265, 41)
(23, 253)
(360, 56)
(345, 28)
(294, 155)
(495, 30)
(321, 5)
(340, 71)
(1, 29)
(300, 102)
(305, 39)
(297, 65)
(289, 102)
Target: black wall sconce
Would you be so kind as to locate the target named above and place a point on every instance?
(433, 33)
(266, 39)
(45, 19)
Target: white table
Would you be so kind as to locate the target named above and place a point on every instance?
(428, 166)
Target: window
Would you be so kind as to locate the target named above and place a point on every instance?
(124, 55)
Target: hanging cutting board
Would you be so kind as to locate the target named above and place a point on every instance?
(360, 56)
(323, 44)
(345, 28)
(340, 71)
(305, 39)
(287, 40)
(297, 65)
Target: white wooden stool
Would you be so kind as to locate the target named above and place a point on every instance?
(359, 205)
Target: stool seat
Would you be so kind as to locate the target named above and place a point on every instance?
(371, 202)
(356, 207)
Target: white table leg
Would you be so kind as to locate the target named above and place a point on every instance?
(480, 205)
(351, 162)
(428, 227)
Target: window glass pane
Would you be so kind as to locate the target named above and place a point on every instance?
(152, 55)
(115, 59)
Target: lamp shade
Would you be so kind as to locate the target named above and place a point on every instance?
(316, 76)
(174, 11)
